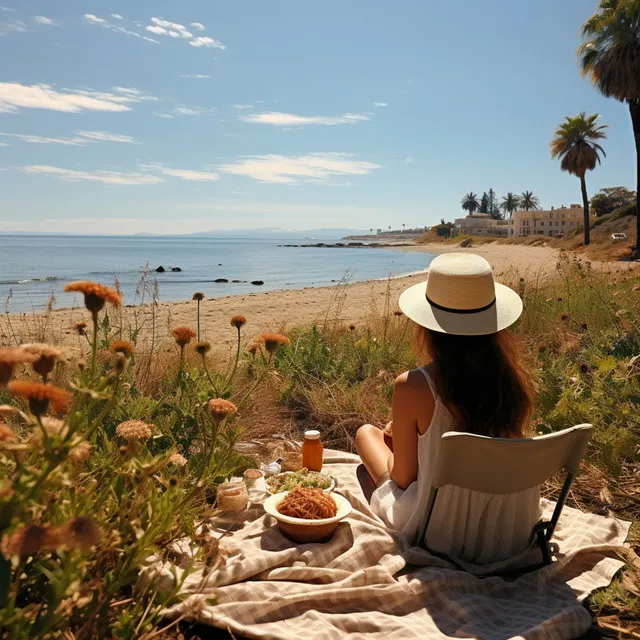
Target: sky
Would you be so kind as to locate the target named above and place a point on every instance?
(164, 117)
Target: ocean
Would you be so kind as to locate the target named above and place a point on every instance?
(34, 267)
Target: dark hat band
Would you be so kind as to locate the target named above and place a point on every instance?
(450, 310)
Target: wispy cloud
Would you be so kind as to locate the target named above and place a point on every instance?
(242, 107)
(407, 160)
(8, 10)
(15, 26)
(162, 27)
(157, 114)
(93, 19)
(15, 96)
(105, 177)
(184, 111)
(189, 174)
(380, 104)
(4, 144)
(46, 21)
(117, 16)
(196, 76)
(313, 167)
(80, 139)
(294, 120)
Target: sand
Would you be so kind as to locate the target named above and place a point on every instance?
(278, 310)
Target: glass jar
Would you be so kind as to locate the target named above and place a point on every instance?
(312, 450)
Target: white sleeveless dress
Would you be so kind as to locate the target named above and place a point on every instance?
(475, 527)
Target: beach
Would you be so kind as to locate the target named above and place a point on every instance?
(349, 303)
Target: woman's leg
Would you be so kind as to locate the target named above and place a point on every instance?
(373, 451)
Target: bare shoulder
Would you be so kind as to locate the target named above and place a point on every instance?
(412, 383)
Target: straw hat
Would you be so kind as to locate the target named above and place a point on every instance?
(461, 298)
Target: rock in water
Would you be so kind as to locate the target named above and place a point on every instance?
(176, 269)
(221, 280)
(160, 269)
(257, 282)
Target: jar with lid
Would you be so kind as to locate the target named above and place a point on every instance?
(312, 451)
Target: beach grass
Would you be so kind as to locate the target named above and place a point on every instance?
(94, 498)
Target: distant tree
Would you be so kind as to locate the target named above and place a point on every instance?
(443, 229)
(441, 220)
(493, 208)
(529, 202)
(403, 227)
(611, 198)
(484, 203)
(470, 202)
(510, 203)
(574, 143)
(610, 56)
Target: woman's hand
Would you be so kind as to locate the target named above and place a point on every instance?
(388, 430)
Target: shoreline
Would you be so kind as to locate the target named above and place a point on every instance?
(278, 310)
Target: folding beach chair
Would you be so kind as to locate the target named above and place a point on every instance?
(503, 466)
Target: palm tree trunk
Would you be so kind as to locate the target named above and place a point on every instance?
(634, 108)
(585, 204)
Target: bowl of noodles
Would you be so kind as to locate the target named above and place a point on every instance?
(307, 514)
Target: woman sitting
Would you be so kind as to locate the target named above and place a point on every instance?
(474, 383)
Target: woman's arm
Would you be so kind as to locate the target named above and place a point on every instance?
(412, 403)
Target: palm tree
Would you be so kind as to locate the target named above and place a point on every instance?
(470, 202)
(510, 203)
(529, 202)
(610, 56)
(575, 144)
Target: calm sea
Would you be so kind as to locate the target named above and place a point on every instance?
(33, 267)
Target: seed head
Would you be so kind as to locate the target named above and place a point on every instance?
(584, 326)
(9, 358)
(253, 348)
(352, 327)
(95, 295)
(45, 357)
(203, 347)
(124, 347)
(80, 452)
(133, 430)
(238, 322)
(81, 328)
(40, 396)
(120, 363)
(183, 335)
(198, 295)
(26, 541)
(80, 532)
(564, 317)
(272, 341)
(584, 368)
(178, 460)
(220, 408)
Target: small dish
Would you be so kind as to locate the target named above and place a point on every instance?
(302, 530)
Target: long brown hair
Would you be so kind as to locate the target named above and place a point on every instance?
(482, 382)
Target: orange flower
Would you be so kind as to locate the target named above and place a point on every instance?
(274, 340)
(95, 295)
(9, 358)
(203, 347)
(198, 295)
(183, 335)
(122, 346)
(45, 355)
(40, 396)
(238, 322)
(221, 408)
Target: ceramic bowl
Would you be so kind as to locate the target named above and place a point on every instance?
(301, 530)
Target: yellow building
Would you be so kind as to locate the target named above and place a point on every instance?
(552, 222)
(482, 224)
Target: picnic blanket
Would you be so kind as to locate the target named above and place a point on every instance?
(368, 582)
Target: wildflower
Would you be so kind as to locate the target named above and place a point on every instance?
(9, 358)
(584, 326)
(133, 430)
(80, 452)
(584, 368)
(120, 363)
(238, 322)
(564, 316)
(559, 299)
(81, 328)
(26, 541)
(542, 348)
(178, 460)
(6, 433)
(124, 347)
(183, 335)
(95, 295)
(220, 409)
(274, 340)
(352, 327)
(621, 312)
(253, 348)
(45, 355)
(198, 295)
(39, 396)
(195, 449)
(80, 532)
(203, 347)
